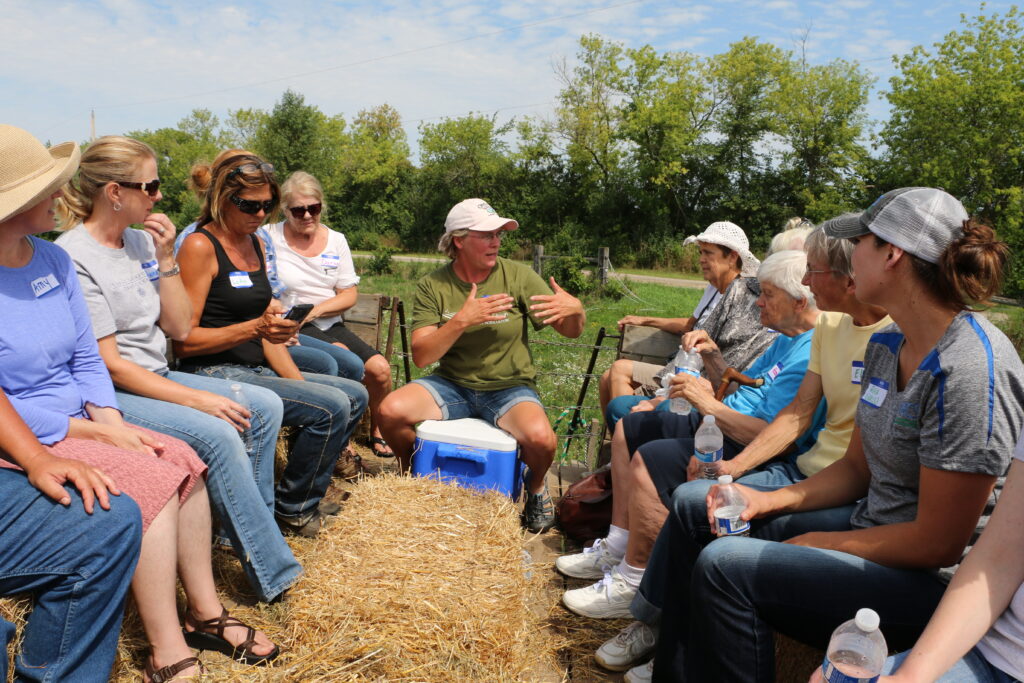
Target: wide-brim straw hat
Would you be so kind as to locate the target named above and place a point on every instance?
(732, 236)
(29, 172)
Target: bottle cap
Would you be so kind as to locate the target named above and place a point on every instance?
(709, 419)
(867, 619)
(725, 479)
(236, 387)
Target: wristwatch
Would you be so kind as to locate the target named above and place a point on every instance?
(172, 272)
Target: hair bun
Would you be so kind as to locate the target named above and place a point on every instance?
(201, 177)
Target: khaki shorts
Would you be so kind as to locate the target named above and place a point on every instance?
(643, 375)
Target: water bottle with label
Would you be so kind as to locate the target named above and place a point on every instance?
(239, 397)
(729, 505)
(707, 447)
(691, 363)
(857, 650)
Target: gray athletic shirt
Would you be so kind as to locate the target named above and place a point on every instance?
(961, 411)
(122, 289)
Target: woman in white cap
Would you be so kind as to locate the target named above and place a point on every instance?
(52, 372)
(727, 313)
(473, 315)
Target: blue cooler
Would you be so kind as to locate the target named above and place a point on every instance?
(470, 453)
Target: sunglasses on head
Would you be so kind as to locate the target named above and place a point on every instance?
(151, 188)
(253, 206)
(251, 167)
(300, 211)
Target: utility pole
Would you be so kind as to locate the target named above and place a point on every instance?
(92, 125)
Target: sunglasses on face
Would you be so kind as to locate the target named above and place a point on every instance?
(253, 206)
(252, 167)
(300, 211)
(151, 188)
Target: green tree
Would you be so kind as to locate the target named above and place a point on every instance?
(297, 136)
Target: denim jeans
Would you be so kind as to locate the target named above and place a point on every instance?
(346, 363)
(720, 598)
(457, 402)
(325, 410)
(309, 359)
(972, 668)
(78, 567)
(240, 483)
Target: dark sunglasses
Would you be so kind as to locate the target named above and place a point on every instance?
(151, 188)
(300, 211)
(252, 167)
(253, 206)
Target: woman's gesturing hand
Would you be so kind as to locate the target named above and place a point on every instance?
(478, 310)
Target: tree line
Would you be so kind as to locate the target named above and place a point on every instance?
(644, 147)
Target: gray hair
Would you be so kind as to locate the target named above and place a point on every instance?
(836, 252)
(792, 236)
(447, 243)
(785, 270)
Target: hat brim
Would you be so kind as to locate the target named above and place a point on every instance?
(495, 223)
(750, 262)
(846, 226)
(23, 197)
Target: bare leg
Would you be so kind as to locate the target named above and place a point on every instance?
(620, 381)
(528, 424)
(400, 411)
(621, 478)
(378, 385)
(646, 513)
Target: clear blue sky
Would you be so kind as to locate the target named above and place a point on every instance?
(146, 64)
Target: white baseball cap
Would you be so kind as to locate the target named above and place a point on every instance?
(476, 214)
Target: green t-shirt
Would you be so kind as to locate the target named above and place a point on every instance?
(493, 355)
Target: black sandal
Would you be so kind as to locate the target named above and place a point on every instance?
(376, 443)
(167, 673)
(201, 639)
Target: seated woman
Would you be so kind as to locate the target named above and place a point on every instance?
(938, 417)
(58, 384)
(131, 285)
(664, 441)
(727, 312)
(315, 265)
(238, 333)
(472, 316)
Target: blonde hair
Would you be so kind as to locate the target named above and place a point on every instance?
(301, 182)
(215, 184)
(199, 179)
(110, 159)
(447, 243)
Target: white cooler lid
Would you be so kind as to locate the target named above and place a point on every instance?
(468, 431)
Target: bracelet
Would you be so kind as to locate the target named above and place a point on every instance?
(172, 272)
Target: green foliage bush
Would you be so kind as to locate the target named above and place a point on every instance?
(380, 262)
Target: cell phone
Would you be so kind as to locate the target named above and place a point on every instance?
(298, 312)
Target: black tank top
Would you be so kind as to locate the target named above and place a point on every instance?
(235, 296)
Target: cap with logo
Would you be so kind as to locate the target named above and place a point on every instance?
(476, 214)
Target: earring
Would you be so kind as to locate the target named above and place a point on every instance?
(117, 206)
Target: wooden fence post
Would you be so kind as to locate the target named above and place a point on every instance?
(602, 264)
(538, 259)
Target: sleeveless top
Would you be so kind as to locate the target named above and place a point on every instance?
(235, 296)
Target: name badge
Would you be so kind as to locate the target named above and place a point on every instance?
(856, 372)
(239, 279)
(774, 372)
(44, 284)
(330, 261)
(151, 270)
(876, 392)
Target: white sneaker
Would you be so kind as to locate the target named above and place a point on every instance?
(609, 598)
(632, 644)
(592, 563)
(640, 674)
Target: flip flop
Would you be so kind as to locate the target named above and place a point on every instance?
(377, 445)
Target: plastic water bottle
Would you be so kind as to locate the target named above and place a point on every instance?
(691, 363)
(857, 650)
(239, 397)
(707, 447)
(729, 505)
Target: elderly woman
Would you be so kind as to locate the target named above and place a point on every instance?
(315, 264)
(131, 285)
(472, 315)
(58, 384)
(891, 519)
(663, 442)
(727, 311)
(239, 334)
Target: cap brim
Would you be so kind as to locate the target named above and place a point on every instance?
(846, 226)
(496, 223)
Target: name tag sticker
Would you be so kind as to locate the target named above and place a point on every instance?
(774, 372)
(857, 372)
(151, 270)
(239, 279)
(876, 392)
(44, 284)
(330, 261)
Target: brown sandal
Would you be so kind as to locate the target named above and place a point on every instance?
(167, 673)
(202, 638)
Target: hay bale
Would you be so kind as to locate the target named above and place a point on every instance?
(15, 610)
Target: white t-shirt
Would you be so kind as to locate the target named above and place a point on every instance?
(313, 279)
(708, 300)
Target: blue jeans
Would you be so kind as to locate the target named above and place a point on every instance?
(78, 567)
(346, 363)
(972, 668)
(721, 598)
(240, 483)
(308, 359)
(324, 410)
(457, 402)
(620, 406)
